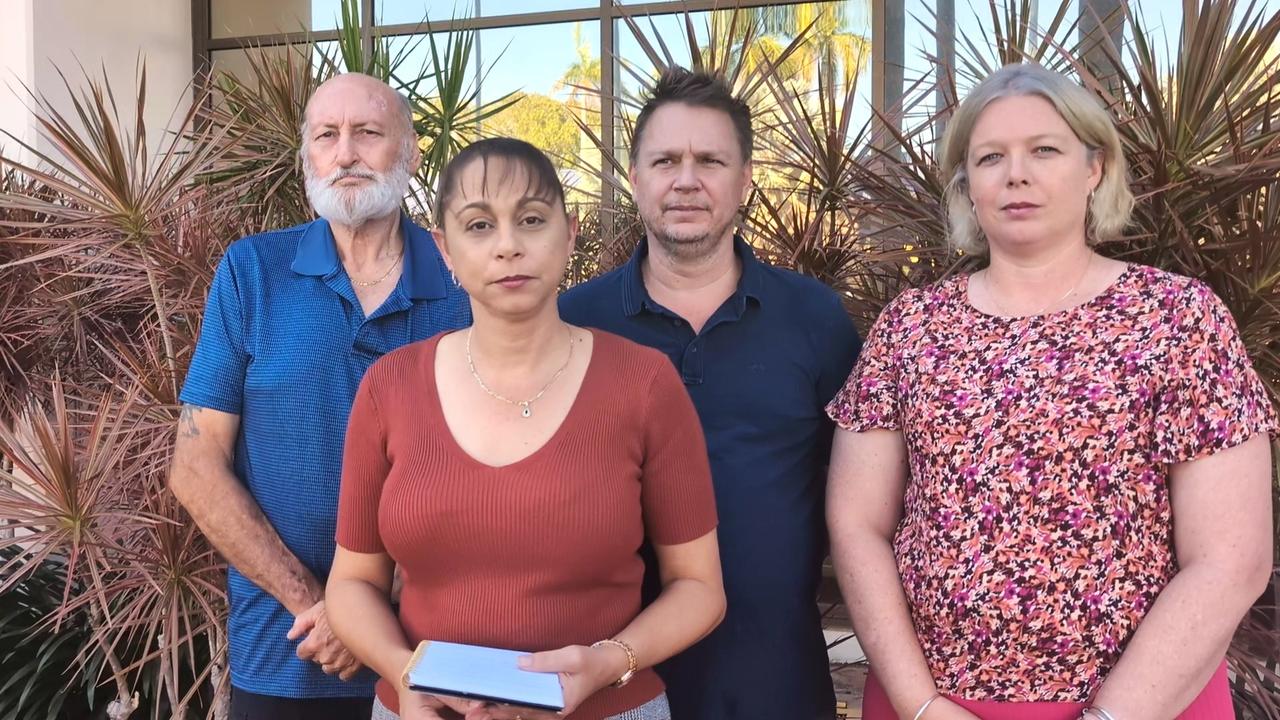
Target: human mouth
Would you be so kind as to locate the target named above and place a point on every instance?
(687, 209)
(511, 282)
(354, 177)
(1020, 209)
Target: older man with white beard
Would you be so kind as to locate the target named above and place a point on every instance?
(293, 320)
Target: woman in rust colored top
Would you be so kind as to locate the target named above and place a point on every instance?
(513, 470)
(1049, 498)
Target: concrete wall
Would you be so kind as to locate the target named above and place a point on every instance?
(16, 64)
(111, 38)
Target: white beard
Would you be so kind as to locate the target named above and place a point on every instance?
(353, 207)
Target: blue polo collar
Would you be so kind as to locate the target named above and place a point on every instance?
(635, 297)
(421, 277)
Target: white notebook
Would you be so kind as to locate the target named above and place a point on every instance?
(481, 673)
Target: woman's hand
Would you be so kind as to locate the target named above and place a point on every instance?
(582, 670)
(415, 705)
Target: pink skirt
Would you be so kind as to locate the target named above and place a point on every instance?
(1213, 703)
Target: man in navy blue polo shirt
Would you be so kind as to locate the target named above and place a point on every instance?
(761, 351)
(294, 318)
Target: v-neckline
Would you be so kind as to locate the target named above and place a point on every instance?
(556, 436)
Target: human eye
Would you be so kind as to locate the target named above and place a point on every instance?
(1046, 150)
(478, 225)
(988, 158)
(532, 220)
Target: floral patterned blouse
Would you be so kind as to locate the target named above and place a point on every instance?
(1036, 528)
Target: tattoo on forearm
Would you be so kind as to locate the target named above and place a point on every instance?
(187, 427)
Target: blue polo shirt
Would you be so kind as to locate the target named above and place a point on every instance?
(760, 373)
(284, 345)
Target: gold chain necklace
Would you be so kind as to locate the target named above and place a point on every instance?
(385, 275)
(526, 406)
(1005, 313)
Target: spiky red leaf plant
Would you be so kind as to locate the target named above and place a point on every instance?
(62, 494)
(258, 117)
(19, 331)
(109, 203)
(857, 206)
(166, 594)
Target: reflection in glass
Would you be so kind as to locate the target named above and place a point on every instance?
(395, 12)
(553, 74)
(239, 18)
(836, 54)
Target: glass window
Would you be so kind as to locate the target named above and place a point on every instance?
(395, 12)
(242, 18)
(548, 71)
(232, 62)
(839, 47)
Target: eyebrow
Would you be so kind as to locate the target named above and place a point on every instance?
(485, 206)
(674, 152)
(357, 125)
(1033, 139)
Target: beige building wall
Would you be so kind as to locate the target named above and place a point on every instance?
(16, 64)
(111, 38)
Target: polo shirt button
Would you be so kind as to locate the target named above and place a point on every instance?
(675, 322)
(694, 349)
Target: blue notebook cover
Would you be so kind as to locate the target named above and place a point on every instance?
(481, 673)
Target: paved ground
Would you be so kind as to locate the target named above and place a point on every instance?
(847, 677)
(848, 681)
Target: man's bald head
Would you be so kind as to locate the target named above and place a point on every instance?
(344, 90)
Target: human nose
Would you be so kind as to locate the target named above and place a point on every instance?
(345, 151)
(1018, 173)
(687, 176)
(509, 245)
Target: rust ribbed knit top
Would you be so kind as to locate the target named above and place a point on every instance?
(542, 553)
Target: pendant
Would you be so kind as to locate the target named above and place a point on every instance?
(525, 410)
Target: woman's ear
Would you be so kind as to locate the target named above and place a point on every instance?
(1097, 169)
(437, 234)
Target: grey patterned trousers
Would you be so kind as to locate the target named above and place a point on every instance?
(655, 709)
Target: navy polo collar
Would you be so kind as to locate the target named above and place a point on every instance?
(635, 296)
(421, 279)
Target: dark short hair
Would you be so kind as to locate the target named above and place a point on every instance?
(696, 89)
(540, 175)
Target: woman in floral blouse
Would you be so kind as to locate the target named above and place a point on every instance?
(1050, 497)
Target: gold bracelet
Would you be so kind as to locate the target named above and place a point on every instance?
(631, 660)
(417, 655)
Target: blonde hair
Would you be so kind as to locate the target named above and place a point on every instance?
(1111, 202)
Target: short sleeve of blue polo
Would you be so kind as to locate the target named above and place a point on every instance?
(215, 379)
(284, 345)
